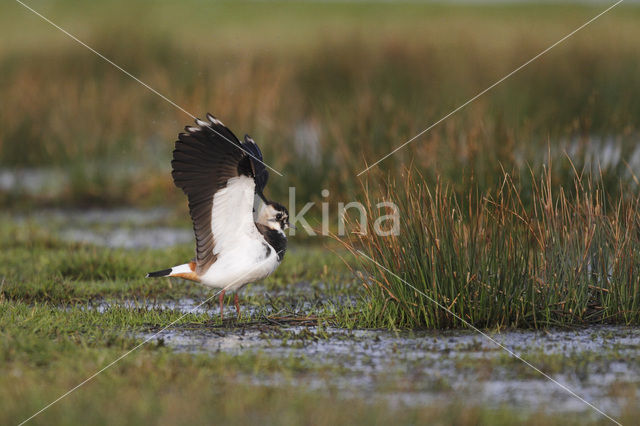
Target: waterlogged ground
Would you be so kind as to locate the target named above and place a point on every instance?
(415, 368)
(299, 345)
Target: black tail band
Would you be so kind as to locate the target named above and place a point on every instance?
(162, 273)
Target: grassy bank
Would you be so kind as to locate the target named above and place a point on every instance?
(568, 258)
(39, 267)
(325, 88)
(52, 337)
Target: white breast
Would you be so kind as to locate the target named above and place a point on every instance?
(242, 254)
(241, 266)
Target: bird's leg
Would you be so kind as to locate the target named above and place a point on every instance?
(221, 298)
(235, 302)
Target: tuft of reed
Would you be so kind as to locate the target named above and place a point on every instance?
(569, 257)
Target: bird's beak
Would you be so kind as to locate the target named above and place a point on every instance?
(291, 226)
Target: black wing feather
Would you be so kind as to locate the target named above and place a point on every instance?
(260, 172)
(204, 159)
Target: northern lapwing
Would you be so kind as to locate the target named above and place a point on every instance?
(221, 177)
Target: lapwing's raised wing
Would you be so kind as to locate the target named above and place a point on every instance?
(221, 176)
(204, 163)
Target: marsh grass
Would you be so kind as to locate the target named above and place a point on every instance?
(570, 257)
(52, 338)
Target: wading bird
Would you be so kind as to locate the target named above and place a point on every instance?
(221, 177)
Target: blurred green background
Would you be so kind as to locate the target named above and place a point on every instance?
(324, 88)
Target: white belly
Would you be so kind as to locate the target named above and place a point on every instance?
(243, 264)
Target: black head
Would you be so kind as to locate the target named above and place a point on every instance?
(278, 216)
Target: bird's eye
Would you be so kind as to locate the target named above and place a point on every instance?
(279, 216)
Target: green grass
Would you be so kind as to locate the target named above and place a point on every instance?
(51, 340)
(38, 267)
(571, 258)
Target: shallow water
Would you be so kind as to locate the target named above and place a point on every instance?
(419, 368)
(158, 237)
(117, 216)
(33, 181)
(129, 228)
(256, 301)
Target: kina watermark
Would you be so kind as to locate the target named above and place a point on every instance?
(335, 216)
